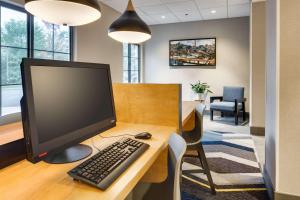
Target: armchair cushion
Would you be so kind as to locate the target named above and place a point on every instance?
(232, 93)
(224, 106)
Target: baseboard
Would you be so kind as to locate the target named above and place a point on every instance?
(258, 131)
(281, 196)
(268, 184)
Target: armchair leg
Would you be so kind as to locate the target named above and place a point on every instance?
(222, 114)
(211, 115)
(244, 112)
(236, 116)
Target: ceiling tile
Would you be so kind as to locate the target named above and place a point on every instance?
(188, 16)
(235, 2)
(202, 4)
(116, 4)
(182, 6)
(154, 10)
(221, 12)
(171, 1)
(138, 3)
(239, 10)
(169, 18)
(151, 11)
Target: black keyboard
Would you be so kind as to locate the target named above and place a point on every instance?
(108, 164)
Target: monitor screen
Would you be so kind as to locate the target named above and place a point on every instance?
(65, 102)
(67, 99)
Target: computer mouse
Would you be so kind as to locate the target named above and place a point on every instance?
(143, 136)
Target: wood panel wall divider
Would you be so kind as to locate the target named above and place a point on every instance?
(157, 104)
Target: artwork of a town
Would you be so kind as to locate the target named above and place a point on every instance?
(193, 52)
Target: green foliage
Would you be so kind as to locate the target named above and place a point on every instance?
(201, 88)
(14, 34)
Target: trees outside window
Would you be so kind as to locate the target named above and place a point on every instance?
(131, 63)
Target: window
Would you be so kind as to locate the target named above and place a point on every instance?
(23, 35)
(50, 41)
(131, 63)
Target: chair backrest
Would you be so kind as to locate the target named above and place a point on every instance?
(177, 148)
(196, 134)
(170, 188)
(232, 93)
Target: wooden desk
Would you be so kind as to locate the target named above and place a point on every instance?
(25, 180)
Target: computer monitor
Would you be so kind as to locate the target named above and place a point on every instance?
(63, 104)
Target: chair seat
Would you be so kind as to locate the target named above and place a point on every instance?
(224, 106)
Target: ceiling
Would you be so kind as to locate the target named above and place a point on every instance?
(173, 11)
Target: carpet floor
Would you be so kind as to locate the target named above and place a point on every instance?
(234, 168)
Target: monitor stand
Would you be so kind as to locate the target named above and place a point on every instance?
(71, 154)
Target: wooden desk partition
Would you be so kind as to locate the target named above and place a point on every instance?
(157, 104)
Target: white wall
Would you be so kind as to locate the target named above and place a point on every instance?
(258, 62)
(282, 97)
(289, 95)
(232, 55)
(92, 44)
(272, 65)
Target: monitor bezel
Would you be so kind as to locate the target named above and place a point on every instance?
(52, 146)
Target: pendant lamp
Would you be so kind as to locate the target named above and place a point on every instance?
(65, 12)
(129, 27)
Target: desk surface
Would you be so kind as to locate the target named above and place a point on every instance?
(25, 180)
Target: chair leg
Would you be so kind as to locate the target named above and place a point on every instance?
(244, 112)
(236, 116)
(222, 114)
(211, 115)
(202, 157)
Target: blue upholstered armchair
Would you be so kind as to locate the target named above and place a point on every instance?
(232, 101)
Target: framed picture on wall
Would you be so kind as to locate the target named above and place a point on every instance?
(192, 52)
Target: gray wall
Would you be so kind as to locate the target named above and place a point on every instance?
(92, 44)
(232, 55)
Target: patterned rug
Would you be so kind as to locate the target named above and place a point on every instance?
(234, 168)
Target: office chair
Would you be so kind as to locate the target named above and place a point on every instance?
(193, 140)
(170, 188)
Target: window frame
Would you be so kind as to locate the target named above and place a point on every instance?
(129, 56)
(30, 44)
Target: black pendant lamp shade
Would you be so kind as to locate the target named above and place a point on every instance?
(129, 27)
(65, 12)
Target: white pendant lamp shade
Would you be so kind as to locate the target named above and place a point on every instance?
(129, 27)
(129, 36)
(65, 12)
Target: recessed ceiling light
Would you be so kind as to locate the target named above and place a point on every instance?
(213, 11)
(163, 17)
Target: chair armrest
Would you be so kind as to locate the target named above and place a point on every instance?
(216, 98)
